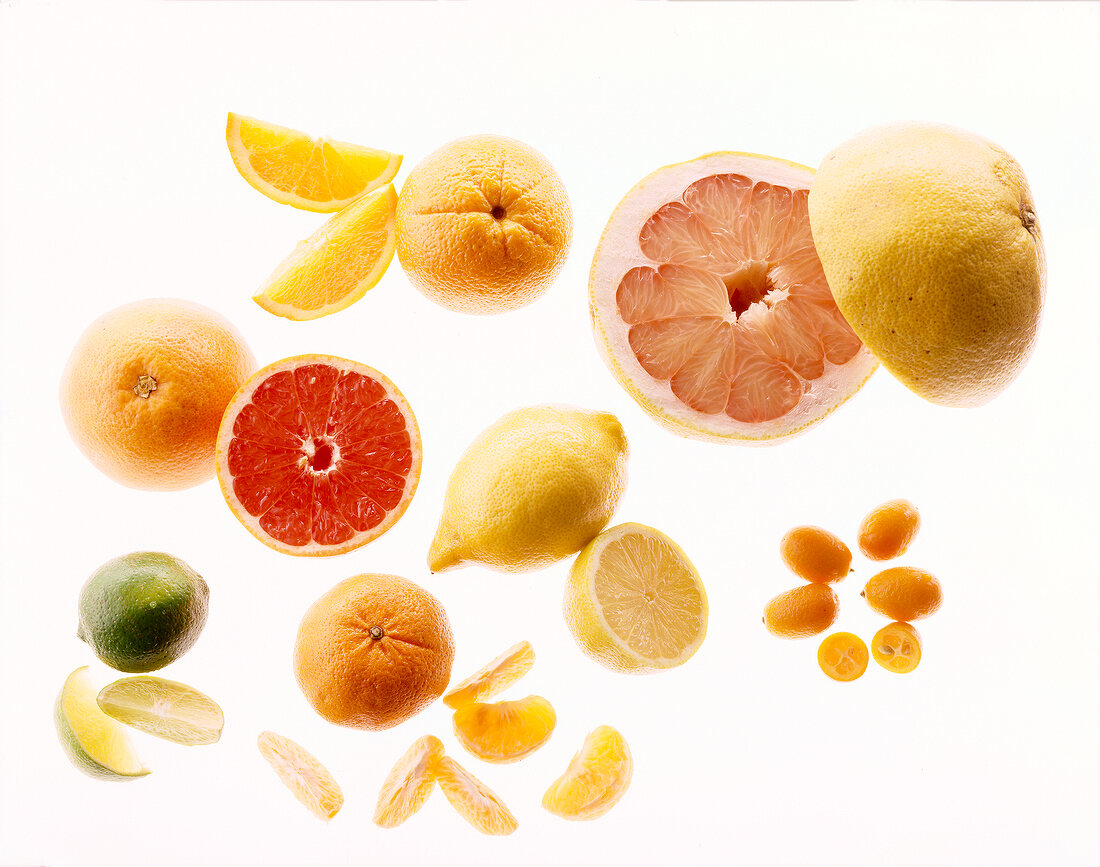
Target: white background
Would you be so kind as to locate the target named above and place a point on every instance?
(115, 184)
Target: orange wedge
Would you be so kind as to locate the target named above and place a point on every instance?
(595, 780)
(308, 780)
(409, 783)
(507, 730)
(334, 267)
(499, 674)
(314, 174)
(474, 801)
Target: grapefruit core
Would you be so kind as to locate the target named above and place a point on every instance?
(710, 305)
(318, 455)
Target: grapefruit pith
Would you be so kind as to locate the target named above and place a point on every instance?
(710, 305)
(318, 455)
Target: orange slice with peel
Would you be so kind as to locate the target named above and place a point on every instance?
(337, 264)
(308, 780)
(499, 674)
(473, 800)
(505, 731)
(711, 307)
(314, 174)
(317, 455)
(409, 784)
(596, 779)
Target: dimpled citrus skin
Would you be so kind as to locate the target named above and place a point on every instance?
(185, 362)
(534, 487)
(889, 530)
(802, 612)
(483, 224)
(815, 555)
(932, 249)
(904, 593)
(373, 651)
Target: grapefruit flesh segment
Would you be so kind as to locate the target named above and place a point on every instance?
(318, 455)
(712, 307)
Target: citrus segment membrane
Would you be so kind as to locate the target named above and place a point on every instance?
(318, 455)
(596, 779)
(409, 783)
(710, 300)
(308, 780)
(473, 800)
(499, 674)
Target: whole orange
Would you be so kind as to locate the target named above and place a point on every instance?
(145, 387)
(373, 651)
(483, 224)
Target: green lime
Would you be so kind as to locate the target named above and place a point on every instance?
(165, 708)
(93, 741)
(142, 611)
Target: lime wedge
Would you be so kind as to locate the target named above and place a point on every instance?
(93, 741)
(170, 710)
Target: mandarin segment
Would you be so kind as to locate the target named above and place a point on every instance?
(505, 731)
(596, 779)
(308, 780)
(843, 656)
(816, 555)
(409, 783)
(897, 647)
(495, 677)
(318, 455)
(904, 593)
(473, 800)
(889, 530)
(802, 612)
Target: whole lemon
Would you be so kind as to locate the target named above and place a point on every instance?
(931, 246)
(536, 486)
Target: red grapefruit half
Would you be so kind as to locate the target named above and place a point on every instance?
(710, 305)
(318, 455)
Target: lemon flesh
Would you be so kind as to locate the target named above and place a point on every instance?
(932, 249)
(94, 743)
(634, 601)
(533, 488)
(164, 708)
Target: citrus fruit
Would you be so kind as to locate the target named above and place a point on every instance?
(409, 783)
(314, 174)
(897, 647)
(710, 305)
(932, 249)
(802, 612)
(596, 779)
(903, 593)
(337, 264)
(308, 780)
(495, 677)
(165, 708)
(815, 555)
(483, 225)
(634, 602)
(505, 731)
(373, 651)
(94, 743)
(535, 486)
(318, 455)
(473, 800)
(888, 531)
(145, 387)
(842, 656)
(141, 611)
